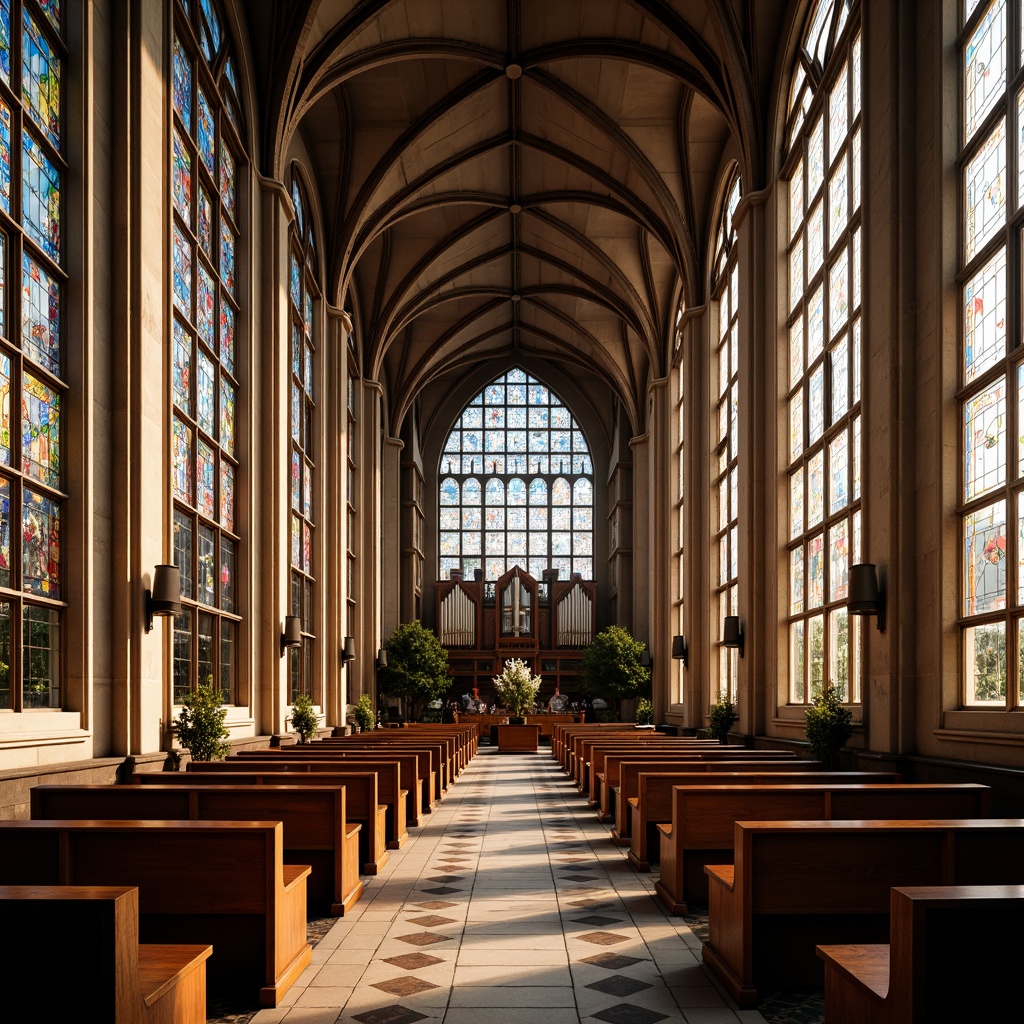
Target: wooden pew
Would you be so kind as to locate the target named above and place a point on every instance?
(931, 970)
(561, 736)
(361, 804)
(222, 883)
(798, 884)
(465, 734)
(703, 818)
(389, 789)
(316, 831)
(418, 775)
(441, 753)
(86, 938)
(649, 801)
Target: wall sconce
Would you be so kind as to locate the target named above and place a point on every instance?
(645, 659)
(866, 597)
(732, 635)
(348, 652)
(165, 597)
(292, 635)
(382, 658)
(680, 650)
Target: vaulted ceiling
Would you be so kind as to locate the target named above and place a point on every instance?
(517, 180)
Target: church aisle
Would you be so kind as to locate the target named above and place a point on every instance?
(510, 901)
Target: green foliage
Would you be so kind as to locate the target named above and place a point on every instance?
(829, 726)
(720, 718)
(304, 720)
(516, 687)
(417, 666)
(611, 665)
(362, 712)
(200, 725)
(644, 712)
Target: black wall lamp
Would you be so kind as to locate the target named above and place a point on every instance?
(680, 650)
(292, 635)
(732, 634)
(382, 658)
(165, 597)
(645, 659)
(348, 651)
(866, 597)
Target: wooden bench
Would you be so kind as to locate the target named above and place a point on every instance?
(931, 970)
(418, 775)
(561, 737)
(222, 883)
(798, 884)
(648, 802)
(441, 754)
(361, 804)
(316, 830)
(68, 946)
(703, 818)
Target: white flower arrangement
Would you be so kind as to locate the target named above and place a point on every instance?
(516, 687)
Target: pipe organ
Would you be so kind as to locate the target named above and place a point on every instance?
(547, 623)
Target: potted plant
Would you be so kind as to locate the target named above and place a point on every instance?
(199, 726)
(829, 726)
(417, 667)
(720, 718)
(516, 688)
(644, 712)
(362, 712)
(304, 719)
(612, 669)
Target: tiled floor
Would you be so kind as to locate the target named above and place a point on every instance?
(508, 905)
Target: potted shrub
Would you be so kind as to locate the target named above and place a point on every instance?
(644, 712)
(199, 726)
(516, 688)
(612, 669)
(362, 712)
(720, 718)
(304, 720)
(829, 726)
(417, 667)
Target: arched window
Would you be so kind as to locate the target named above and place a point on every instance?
(991, 365)
(206, 152)
(33, 172)
(516, 485)
(725, 364)
(822, 372)
(303, 435)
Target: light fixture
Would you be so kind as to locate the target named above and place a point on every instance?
(348, 652)
(292, 635)
(382, 658)
(680, 650)
(645, 659)
(732, 635)
(165, 597)
(865, 596)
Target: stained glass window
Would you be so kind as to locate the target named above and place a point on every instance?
(304, 434)
(206, 204)
(992, 466)
(822, 364)
(530, 452)
(32, 358)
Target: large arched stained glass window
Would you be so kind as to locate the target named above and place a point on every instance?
(822, 372)
(517, 485)
(33, 356)
(206, 153)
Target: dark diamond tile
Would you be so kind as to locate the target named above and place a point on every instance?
(442, 890)
(396, 1014)
(413, 961)
(611, 961)
(590, 902)
(409, 986)
(602, 938)
(581, 878)
(617, 985)
(627, 1013)
(431, 920)
(597, 920)
(436, 905)
(421, 938)
(444, 879)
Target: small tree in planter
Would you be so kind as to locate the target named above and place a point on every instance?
(516, 687)
(417, 667)
(362, 712)
(644, 712)
(829, 726)
(612, 668)
(720, 718)
(304, 720)
(199, 726)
